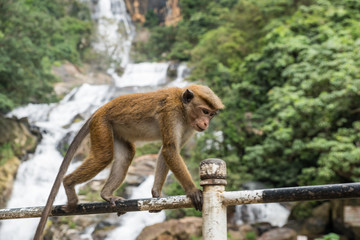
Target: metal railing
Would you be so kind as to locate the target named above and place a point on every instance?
(216, 200)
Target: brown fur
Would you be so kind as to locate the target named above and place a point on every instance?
(171, 115)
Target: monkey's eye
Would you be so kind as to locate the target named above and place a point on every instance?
(205, 111)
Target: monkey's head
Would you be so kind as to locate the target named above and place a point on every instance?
(201, 105)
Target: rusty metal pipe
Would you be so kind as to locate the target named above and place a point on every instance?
(102, 207)
(291, 194)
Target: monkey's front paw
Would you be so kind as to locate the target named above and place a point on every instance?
(112, 200)
(196, 198)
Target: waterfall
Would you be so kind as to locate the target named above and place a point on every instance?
(35, 176)
(115, 30)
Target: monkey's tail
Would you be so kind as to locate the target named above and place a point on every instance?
(83, 132)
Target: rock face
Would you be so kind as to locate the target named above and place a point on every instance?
(140, 169)
(70, 228)
(242, 232)
(16, 141)
(168, 11)
(279, 234)
(20, 136)
(174, 229)
(7, 175)
(72, 76)
(345, 217)
(316, 224)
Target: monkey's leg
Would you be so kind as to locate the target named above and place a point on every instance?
(86, 171)
(124, 153)
(182, 174)
(161, 172)
(100, 156)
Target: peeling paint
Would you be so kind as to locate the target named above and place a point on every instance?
(216, 194)
(306, 193)
(212, 169)
(164, 203)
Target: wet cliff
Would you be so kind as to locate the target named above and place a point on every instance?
(17, 140)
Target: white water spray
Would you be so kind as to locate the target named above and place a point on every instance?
(115, 30)
(273, 213)
(36, 176)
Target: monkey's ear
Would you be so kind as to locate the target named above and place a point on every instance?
(187, 96)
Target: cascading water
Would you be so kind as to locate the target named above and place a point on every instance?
(36, 176)
(273, 213)
(142, 74)
(115, 31)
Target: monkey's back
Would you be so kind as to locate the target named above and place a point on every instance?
(137, 117)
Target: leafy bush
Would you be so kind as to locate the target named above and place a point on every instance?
(33, 35)
(6, 153)
(288, 74)
(330, 236)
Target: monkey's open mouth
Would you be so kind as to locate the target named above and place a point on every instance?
(200, 129)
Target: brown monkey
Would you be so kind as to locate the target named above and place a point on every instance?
(171, 115)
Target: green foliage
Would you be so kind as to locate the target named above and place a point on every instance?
(307, 70)
(250, 236)
(6, 153)
(90, 195)
(158, 46)
(33, 35)
(288, 73)
(195, 238)
(330, 236)
(175, 43)
(5, 103)
(303, 210)
(149, 148)
(68, 221)
(151, 19)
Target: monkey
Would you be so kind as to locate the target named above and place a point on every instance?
(172, 115)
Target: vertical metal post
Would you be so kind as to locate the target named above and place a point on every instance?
(213, 180)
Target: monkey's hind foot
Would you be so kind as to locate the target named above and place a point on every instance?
(120, 213)
(154, 211)
(69, 208)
